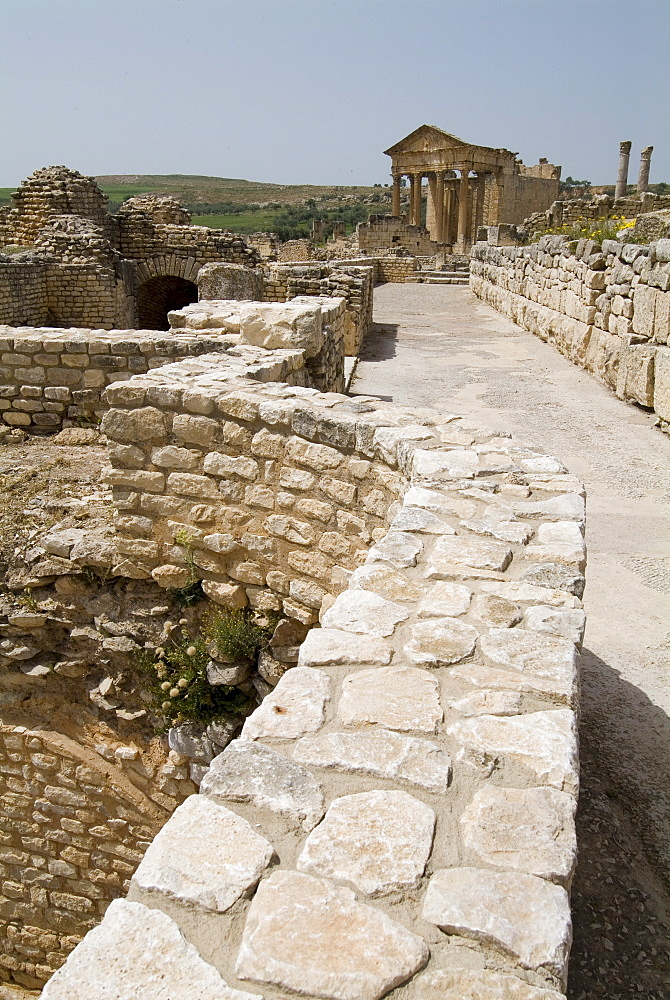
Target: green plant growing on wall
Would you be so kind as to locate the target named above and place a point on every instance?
(175, 674)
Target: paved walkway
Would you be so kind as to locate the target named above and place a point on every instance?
(440, 346)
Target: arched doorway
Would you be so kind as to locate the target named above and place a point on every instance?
(157, 296)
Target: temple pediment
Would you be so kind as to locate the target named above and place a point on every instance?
(424, 138)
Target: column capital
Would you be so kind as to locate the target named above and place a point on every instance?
(624, 147)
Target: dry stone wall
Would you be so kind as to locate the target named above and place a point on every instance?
(399, 811)
(606, 308)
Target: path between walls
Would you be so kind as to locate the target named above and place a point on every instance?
(435, 346)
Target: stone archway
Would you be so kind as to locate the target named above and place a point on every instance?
(158, 295)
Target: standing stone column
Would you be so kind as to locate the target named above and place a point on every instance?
(439, 207)
(415, 215)
(395, 209)
(622, 176)
(463, 207)
(643, 176)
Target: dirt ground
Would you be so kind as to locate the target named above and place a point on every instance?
(439, 346)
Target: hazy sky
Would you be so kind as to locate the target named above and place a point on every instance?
(312, 91)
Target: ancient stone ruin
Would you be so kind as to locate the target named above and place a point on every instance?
(387, 802)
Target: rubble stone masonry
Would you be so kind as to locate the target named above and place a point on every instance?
(606, 308)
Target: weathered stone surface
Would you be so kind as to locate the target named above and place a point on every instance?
(227, 673)
(205, 855)
(419, 496)
(330, 646)
(365, 612)
(466, 551)
(442, 641)
(295, 707)
(416, 519)
(398, 548)
(401, 698)
(276, 325)
(488, 703)
(528, 593)
(520, 914)
(497, 612)
(382, 754)
(465, 984)
(140, 953)
(484, 676)
(567, 624)
(455, 464)
(545, 742)
(247, 772)
(445, 600)
(379, 841)
(307, 935)
(555, 576)
(533, 654)
(190, 740)
(383, 580)
(525, 829)
(500, 524)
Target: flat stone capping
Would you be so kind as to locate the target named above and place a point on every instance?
(399, 812)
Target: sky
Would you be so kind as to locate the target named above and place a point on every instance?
(313, 91)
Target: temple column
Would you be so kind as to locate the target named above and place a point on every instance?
(439, 206)
(643, 176)
(395, 209)
(463, 200)
(622, 176)
(415, 200)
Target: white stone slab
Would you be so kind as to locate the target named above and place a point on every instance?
(483, 676)
(445, 503)
(440, 642)
(488, 703)
(307, 935)
(379, 841)
(459, 463)
(496, 612)
(527, 593)
(141, 954)
(325, 647)
(295, 707)
(205, 855)
(533, 654)
(466, 984)
(569, 624)
(399, 548)
(381, 579)
(384, 754)
(445, 600)
(500, 524)
(464, 550)
(415, 519)
(400, 698)
(520, 914)
(545, 742)
(365, 612)
(524, 829)
(248, 772)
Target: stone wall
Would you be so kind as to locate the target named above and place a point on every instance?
(400, 809)
(606, 308)
(572, 210)
(72, 832)
(383, 232)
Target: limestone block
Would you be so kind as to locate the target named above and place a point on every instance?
(419, 496)
(554, 575)
(488, 702)
(171, 457)
(445, 600)
(528, 593)
(570, 507)
(524, 829)
(217, 464)
(545, 742)
(440, 642)
(140, 953)
(205, 855)
(132, 426)
(635, 378)
(308, 936)
(379, 841)
(328, 647)
(249, 772)
(230, 595)
(446, 465)
(416, 519)
(295, 707)
(282, 325)
(383, 754)
(501, 524)
(518, 913)
(569, 624)
(168, 575)
(466, 551)
(533, 654)
(386, 439)
(383, 580)
(397, 548)
(228, 281)
(316, 456)
(361, 611)
(662, 384)
(496, 612)
(644, 305)
(401, 698)
(459, 984)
